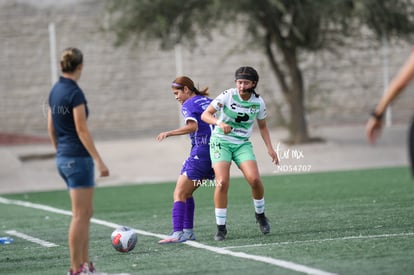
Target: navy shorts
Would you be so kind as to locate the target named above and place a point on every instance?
(198, 165)
(77, 172)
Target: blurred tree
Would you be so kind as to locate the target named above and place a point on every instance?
(282, 28)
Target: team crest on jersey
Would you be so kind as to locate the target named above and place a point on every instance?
(253, 109)
(217, 154)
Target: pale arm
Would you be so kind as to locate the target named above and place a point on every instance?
(190, 127)
(401, 80)
(82, 130)
(208, 117)
(51, 129)
(264, 132)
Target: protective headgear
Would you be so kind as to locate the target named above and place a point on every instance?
(250, 74)
(247, 73)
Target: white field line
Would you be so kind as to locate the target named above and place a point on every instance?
(360, 237)
(269, 260)
(31, 239)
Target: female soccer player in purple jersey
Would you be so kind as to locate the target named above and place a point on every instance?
(197, 167)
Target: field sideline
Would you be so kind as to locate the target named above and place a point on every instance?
(350, 222)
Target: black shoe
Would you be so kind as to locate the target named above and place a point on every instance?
(221, 233)
(263, 224)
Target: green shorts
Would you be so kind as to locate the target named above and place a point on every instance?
(222, 150)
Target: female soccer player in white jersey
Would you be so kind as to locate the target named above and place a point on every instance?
(238, 107)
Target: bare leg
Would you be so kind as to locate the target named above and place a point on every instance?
(184, 188)
(251, 173)
(222, 174)
(78, 239)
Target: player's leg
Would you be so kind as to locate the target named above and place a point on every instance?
(78, 238)
(201, 173)
(222, 183)
(246, 161)
(183, 190)
(184, 193)
(221, 158)
(251, 174)
(78, 173)
(188, 225)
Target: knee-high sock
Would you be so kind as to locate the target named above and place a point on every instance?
(178, 215)
(259, 205)
(221, 216)
(189, 213)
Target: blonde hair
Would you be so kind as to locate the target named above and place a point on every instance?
(183, 81)
(70, 59)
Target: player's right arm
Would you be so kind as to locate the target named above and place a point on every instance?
(208, 117)
(51, 129)
(190, 127)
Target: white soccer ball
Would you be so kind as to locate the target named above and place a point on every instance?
(124, 239)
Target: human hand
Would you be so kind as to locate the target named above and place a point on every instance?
(103, 169)
(273, 155)
(373, 129)
(225, 127)
(162, 136)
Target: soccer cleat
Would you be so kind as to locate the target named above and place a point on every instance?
(263, 223)
(83, 270)
(90, 267)
(189, 235)
(221, 233)
(92, 270)
(176, 237)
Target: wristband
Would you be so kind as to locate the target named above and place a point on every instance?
(218, 122)
(376, 116)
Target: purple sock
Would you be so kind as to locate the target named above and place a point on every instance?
(189, 213)
(178, 215)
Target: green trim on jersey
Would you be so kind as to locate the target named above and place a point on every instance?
(238, 113)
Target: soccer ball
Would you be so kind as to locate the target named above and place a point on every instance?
(124, 239)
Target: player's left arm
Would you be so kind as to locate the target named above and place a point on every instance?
(400, 81)
(264, 132)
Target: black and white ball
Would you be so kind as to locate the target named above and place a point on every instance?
(124, 239)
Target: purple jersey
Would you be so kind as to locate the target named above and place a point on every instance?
(192, 110)
(198, 165)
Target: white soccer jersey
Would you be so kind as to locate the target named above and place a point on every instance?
(238, 113)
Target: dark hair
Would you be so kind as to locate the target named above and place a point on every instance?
(184, 81)
(248, 73)
(70, 59)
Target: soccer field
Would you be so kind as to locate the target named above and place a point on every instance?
(351, 222)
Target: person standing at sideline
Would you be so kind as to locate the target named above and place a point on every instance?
(197, 167)
(75, 155)
(375, 122)
(239, 107)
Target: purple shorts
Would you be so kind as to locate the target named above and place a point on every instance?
(198, 165)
